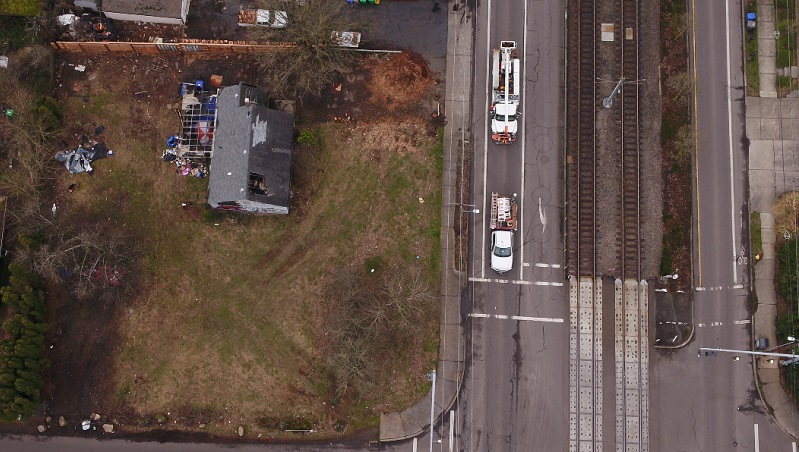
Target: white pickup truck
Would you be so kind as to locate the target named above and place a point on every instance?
(504, 212)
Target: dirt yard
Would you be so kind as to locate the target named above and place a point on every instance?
(226, 326)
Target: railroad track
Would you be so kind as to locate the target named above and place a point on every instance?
(631, 344)
(585, 309)
(629, 377)
(586, 145)
(630, 140)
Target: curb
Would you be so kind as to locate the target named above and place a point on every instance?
(415, 420)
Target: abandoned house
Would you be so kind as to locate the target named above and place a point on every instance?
(156, 11)
(252, 146)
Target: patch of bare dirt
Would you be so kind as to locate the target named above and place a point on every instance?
(397, 85)
(399, 80)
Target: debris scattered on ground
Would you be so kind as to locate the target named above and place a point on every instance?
(109, 275)
(108, 428)
(184, 166)
(79, 160)
(61, 421)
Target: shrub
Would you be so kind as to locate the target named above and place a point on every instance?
(308, 138)
(787, 325)
(787, 272)
(22, 350)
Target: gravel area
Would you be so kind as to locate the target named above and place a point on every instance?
(608, 142)
(608, 148)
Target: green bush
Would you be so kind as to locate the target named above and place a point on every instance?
(13, 33)
(787, 325)
(788, 273)
(308, 138)
(49, 112)
(667, 130)
(27, 8)
(22, 349)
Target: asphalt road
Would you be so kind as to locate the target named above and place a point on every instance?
(515, 394)
(711, 403)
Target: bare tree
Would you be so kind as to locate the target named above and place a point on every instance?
(315, 59)
(29, 162)
(684, 145)
(406, 296)
(681, 86)
(89, 259)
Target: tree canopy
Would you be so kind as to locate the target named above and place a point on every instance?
(315, 59)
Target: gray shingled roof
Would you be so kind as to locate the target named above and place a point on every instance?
(154, 8)
(250, 139)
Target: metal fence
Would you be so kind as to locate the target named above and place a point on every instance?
(188, 46)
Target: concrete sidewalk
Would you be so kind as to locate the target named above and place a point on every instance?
(772, 126)
(415, 420)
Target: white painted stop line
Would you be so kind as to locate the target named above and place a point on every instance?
(516, 317)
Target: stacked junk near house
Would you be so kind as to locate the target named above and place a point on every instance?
(246, 145)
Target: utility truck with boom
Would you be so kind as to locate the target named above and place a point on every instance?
(504, 212)
(506, 85)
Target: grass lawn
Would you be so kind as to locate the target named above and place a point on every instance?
(786, 24)
(231, 322)
(757, 235)
(751, 62)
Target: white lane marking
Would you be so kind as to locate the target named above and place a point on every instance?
(793, 447)
(489, 91)
(700, 289)
(525, 264)
(451, 429)
(738, 286)
(537, 319)
(414, 444)
(736, 322)
(516, 281)
(543, 265)
(661, 290)
(729, 126)
(757, 439)
(523, 128)
(517, 317)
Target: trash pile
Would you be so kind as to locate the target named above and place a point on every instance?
(86, 27)
(79, 160)
(185, 166)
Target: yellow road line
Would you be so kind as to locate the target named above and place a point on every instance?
(696, 147)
